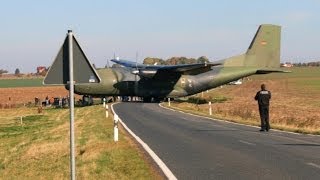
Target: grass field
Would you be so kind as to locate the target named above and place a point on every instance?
(39, 147)
(294, 105)
(9, 83)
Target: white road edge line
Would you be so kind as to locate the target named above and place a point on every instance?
(235, 122)
(246, 142)
(145, 146)
(313, 165)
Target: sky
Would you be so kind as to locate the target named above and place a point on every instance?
(33, 31)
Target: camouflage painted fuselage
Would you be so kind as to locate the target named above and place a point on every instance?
(121, 82)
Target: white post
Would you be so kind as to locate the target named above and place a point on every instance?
(107, 110)
(210, 108)
(115, 128)
(71, 92)
(20, 119)
(169, 102)
(104, 102)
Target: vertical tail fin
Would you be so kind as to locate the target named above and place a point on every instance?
(264, 50)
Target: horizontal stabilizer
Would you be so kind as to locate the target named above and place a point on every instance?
(266, 71)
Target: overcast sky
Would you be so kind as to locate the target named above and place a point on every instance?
(32, 31)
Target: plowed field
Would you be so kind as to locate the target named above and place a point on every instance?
(24, 95)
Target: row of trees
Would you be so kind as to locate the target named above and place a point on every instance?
(314, 64)
(41, 70)
(3, 71)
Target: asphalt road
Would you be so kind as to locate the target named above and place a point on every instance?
(198, 148)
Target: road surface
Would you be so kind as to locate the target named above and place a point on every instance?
(198, 148)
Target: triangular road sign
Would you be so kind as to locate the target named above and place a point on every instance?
(58, 73)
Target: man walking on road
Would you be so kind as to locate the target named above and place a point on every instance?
(263, 97)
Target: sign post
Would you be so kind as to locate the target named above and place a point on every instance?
(70, 66)
(71, 94)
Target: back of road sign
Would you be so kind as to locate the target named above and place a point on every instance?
(58, 73)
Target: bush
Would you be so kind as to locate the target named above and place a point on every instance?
(197, 100)
(220, 99)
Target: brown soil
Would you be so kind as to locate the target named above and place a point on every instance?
(24, 95)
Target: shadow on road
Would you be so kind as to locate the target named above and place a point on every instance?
(300, 144)
(205, 130)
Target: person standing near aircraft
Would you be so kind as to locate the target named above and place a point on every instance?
(263, 97)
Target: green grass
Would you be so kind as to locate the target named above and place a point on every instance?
(9, 83)
(39, 148)
(29, 124)
(304, 77)
(295, 72)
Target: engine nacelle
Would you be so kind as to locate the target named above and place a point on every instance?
(146, 73)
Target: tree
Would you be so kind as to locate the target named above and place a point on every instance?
(3, 71)
(202, 59)
(17, 71)
(152, 61)
(181, 60)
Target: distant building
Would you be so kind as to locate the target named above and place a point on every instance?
(41, 69)
(288, 65)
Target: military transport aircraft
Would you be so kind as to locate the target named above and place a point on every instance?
(159, 82)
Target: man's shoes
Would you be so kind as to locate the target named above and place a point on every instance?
(267, 130)
(261, 130)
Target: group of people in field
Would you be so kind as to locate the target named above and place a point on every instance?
(58, 101)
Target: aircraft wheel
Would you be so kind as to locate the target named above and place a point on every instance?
(147, 99)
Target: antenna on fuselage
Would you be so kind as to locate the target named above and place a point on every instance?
(135, 77)
(137, 60)
(108, 66)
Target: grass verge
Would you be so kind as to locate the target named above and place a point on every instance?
(39, 147)
(239, 116)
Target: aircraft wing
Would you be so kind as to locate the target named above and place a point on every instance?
(127, 63)
(186, 67)
(181, 68)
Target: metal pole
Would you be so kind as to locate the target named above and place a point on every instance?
(71, 93)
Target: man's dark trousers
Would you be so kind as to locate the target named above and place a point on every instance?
(264, 115)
